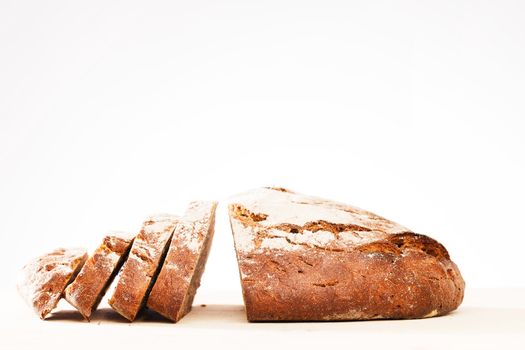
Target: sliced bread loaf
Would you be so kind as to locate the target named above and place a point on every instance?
(141, 267)
(173, 292)
(44, 279)
(91, 283)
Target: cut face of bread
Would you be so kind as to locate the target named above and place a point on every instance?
(43, 280)
(140, 269)
(173, 292)
(303, 258)
(91, 283)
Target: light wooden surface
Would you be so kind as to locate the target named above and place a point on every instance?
(488, 319)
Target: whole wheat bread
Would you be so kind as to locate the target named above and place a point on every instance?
(140, 269)
(176, 285)
(91, 283)
(44, 279)
(303, 258)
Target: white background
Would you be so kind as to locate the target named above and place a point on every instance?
(113, 110)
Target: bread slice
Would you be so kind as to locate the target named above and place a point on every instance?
(304, 258)
(140, 269)
(173, 292)
(43, 280)
(91, 283)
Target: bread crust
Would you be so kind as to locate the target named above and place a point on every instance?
(329, 261)
(91, 283)
(44, 279)
(142, 265)
(176, 285)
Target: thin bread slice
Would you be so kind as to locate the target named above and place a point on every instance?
(43, 280)
(173, 292)
(91, 283)
(141, 268)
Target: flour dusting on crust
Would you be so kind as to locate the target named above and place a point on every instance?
(280, 219)
(86, 291)
(43, 280)
(159, 223)
(303, 258)
(193, 226)
(139, 270)
(179, 277)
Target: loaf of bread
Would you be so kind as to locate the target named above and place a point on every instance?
(91, 283)
(176, 285)
(44, 279)
(303, 258)
(140, 269)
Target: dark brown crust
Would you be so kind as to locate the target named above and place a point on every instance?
(90, 285)
(379, 280)
(172, 295)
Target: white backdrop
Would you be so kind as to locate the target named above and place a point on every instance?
(113, 110)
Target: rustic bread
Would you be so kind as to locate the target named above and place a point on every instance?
(140, 269)
(176, 285)
(303, 258)
(43, 280)
(91, 283)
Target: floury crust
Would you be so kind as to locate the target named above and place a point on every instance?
(303, 258)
